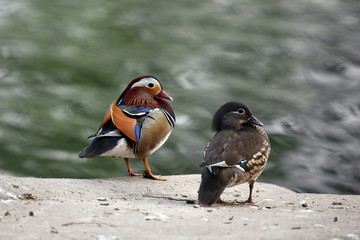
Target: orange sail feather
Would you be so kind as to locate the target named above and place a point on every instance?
(124, 123)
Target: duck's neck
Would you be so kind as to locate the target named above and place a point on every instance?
(139, 98)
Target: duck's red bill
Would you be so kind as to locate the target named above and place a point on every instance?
(163, 94)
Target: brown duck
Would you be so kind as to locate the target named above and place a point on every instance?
(236, 154)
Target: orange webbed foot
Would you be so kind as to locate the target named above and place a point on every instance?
(132, 174)
(130, 171)
(148, 174)
(152, 176)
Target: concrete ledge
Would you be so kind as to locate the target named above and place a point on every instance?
(138, 208)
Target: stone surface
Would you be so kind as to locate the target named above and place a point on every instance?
(139, 208)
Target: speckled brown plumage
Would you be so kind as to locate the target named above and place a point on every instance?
(236, 154)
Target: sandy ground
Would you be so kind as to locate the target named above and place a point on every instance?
(138, 208)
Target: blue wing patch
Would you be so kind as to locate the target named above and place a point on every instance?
(137, 132)
(135, 111)
(141, 109)
(242, 163)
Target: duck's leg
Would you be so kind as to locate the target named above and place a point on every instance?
(131, 173)
(148, 174)
(251, 186)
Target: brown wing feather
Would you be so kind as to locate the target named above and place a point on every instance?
(222, 148)
(232, 146)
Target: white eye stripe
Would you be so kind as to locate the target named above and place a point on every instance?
(146, 82)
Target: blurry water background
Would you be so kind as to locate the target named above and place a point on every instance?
(295, 63)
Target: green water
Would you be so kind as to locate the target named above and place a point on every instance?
(296, 64)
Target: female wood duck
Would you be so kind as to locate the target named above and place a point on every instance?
(236, 154)
(135, 126)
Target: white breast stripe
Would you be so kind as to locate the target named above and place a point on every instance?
(169, 118)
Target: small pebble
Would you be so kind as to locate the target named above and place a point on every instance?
(304, 203)
(102, 199)
(335, 219)
(148, 218)
(28, 196)
(31, 213)
(336, 203)
(104, 204)
(210, 210)
(196, 206)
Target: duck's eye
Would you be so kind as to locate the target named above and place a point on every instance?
(151, 85)
(241, 111)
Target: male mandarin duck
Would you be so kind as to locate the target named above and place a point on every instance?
(135, 126)
(236, 154)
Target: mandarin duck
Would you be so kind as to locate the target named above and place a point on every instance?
(135, 126)
(236, 154)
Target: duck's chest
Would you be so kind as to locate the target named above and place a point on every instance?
(154, 131)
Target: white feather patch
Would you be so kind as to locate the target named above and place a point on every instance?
(145, 81)
(134, 114)
(238, 167)
(120, 150)
(219, 164)
(114, 133)
(224, 164)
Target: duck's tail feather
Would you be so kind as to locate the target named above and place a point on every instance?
(212, 186)
(99, 146)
